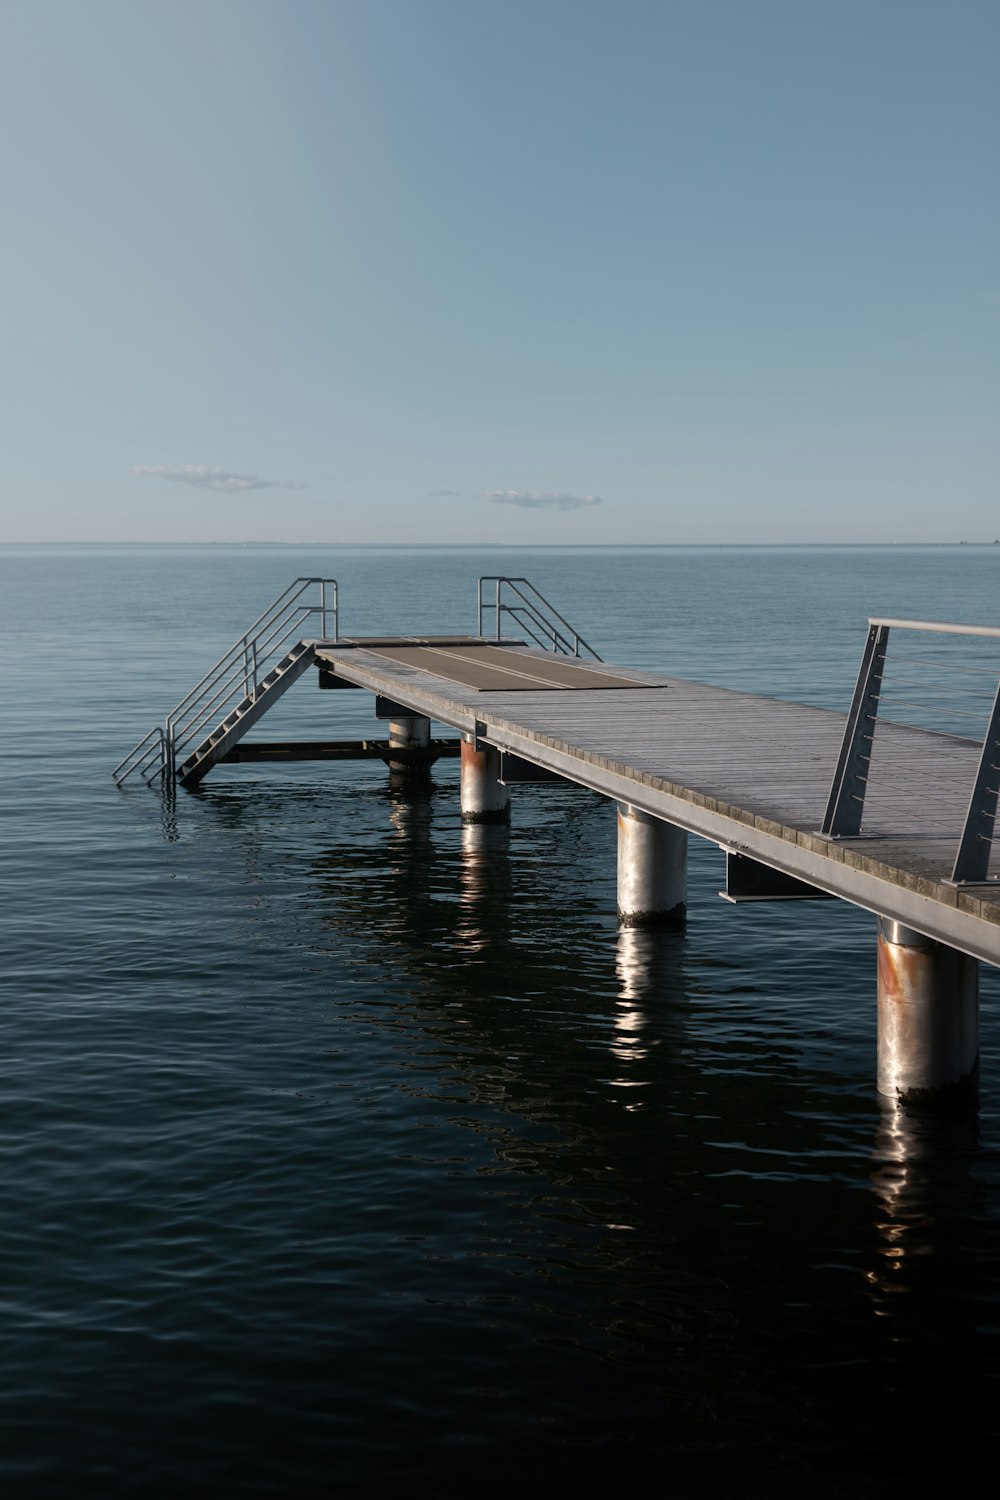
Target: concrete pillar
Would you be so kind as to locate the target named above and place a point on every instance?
(652, 869)
(484, 798)
(928, 1016)
(412, 732)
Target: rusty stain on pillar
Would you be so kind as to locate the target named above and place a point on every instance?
(652, 870)
(411, 733)
(485, 799)
(928, 1017)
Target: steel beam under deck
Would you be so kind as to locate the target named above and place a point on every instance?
(273, 751)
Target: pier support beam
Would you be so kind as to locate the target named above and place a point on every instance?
(928, 1016)
(412, 732)
(652, 870)
(485, 799)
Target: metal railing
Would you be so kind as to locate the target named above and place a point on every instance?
(531, 612)
(234, 680)
(951, 698)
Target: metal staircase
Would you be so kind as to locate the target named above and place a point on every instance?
(252, 706)
(531, 612)
(244, 683)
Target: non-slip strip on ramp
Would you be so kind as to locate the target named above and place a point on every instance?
(499, 669)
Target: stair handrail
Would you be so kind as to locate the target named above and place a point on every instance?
(276, 614)
(533, 613)
(235, 677)
(146, 756)
(242, 663)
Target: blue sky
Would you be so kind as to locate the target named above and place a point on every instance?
(450, 270)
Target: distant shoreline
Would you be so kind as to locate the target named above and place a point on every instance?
(510, 546)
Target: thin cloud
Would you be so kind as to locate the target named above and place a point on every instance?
(441, 494)
(531, 501)
(210, 477)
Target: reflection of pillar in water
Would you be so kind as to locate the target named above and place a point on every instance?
(636, 965)
(411, 849)
(652, 869)
(918, 1155)
(893, 1180)
(634, 957)
(484, 874)
(928, 1015)
(651, 977)
(484, 797)
(628, 1043)
(649, 964)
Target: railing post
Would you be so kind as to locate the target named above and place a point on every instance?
(846, 806)
(973, 858)
(169, 751)
(247, 684)
(322, 608)
(498, 610)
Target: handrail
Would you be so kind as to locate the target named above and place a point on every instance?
(533, 614)
(939, 627)
(845, 808)
(235, 678)
(140, 755)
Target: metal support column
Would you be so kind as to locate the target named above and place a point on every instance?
(652, 869)
(928, 1016)
(485, 799)
(410, 733)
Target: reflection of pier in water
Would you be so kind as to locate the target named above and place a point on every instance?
(624, 1198)
(645, 1162)
(933, 1238)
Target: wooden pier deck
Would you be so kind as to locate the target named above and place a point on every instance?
(752, 774)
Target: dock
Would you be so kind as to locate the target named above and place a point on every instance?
(795, 795)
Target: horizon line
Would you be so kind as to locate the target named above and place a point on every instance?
(490, 546)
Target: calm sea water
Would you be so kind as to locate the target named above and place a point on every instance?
(346, 1151)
